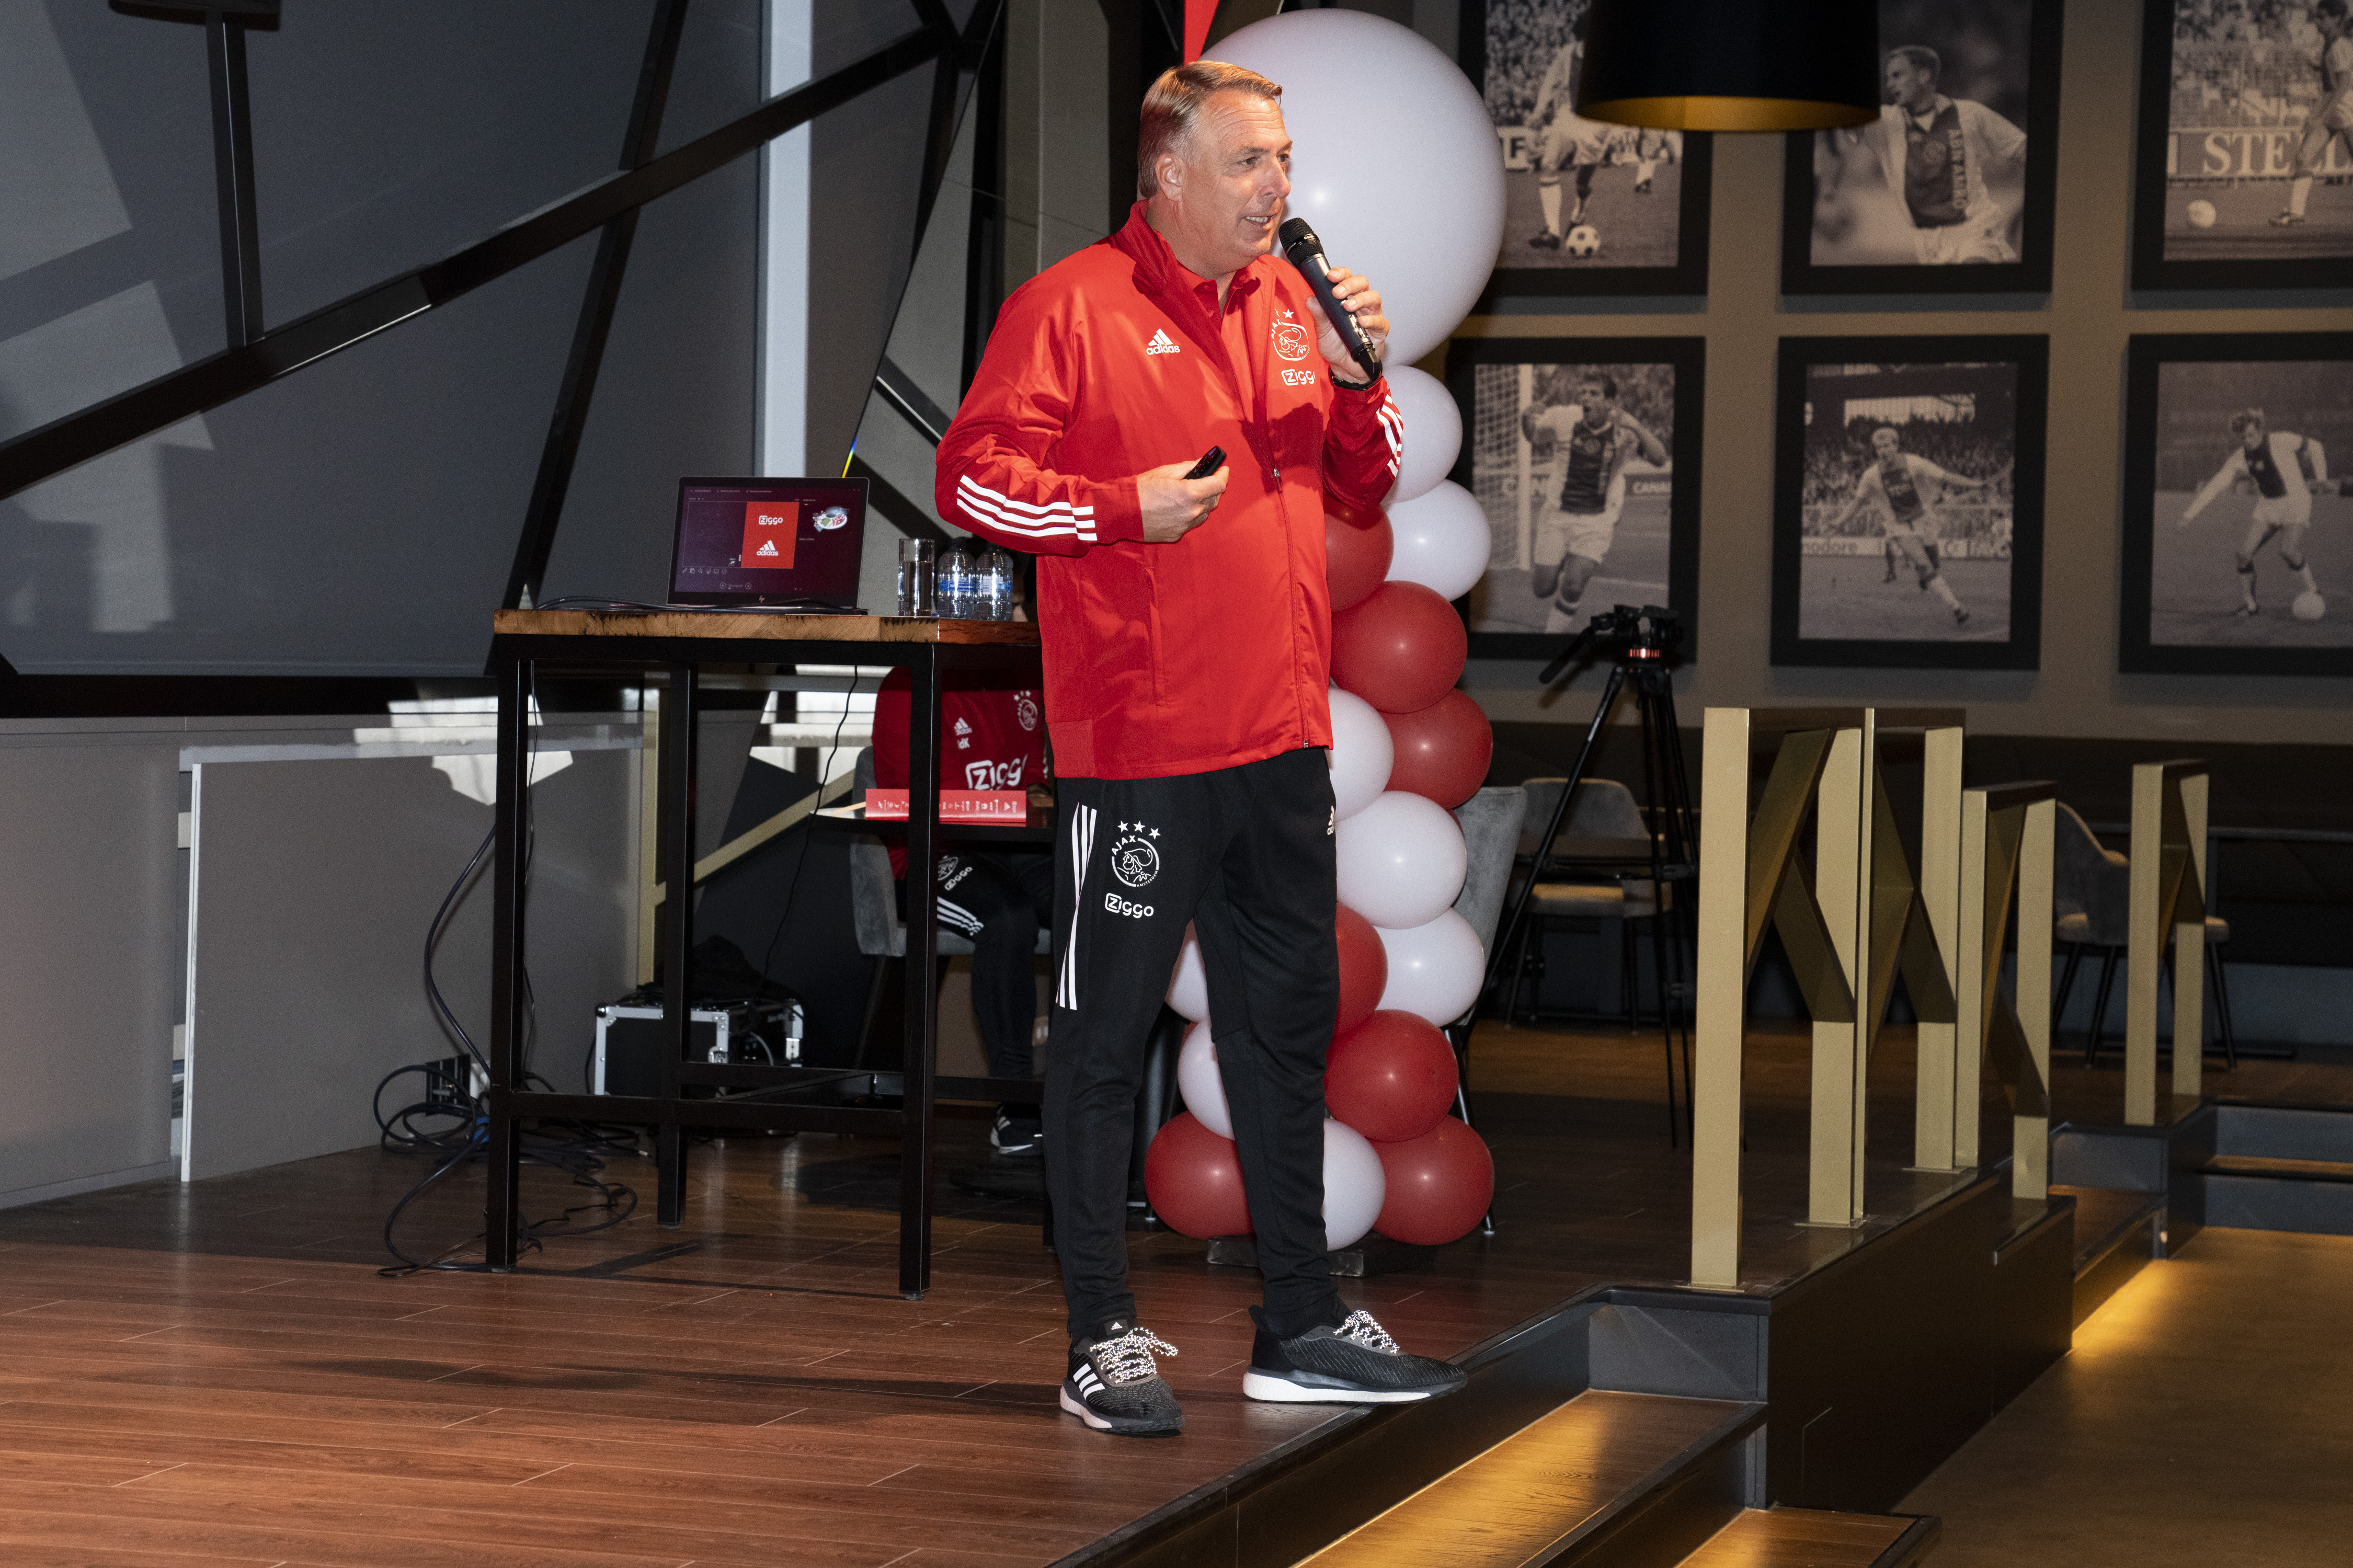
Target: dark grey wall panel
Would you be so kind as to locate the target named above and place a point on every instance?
(358, 518)
(389, 136)
(866, 165)
(106, 187)
(676, 393)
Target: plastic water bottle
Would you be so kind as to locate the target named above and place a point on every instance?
(996, 583)
(956, 582)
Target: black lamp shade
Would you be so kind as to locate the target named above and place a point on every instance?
(1731, 65)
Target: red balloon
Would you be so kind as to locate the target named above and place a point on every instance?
(1400, 650)
(1357, 547)
(1390, 1077)
(1364, 969)
(1439, 1184)
(1443, 751)
(1194, 1179)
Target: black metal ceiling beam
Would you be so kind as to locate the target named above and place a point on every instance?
(900, 391)
(578, 388)
(62, 444)
(240, 223)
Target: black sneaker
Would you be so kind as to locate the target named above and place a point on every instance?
(1353, 1363)
(1115, 1387)
(1016, 1133)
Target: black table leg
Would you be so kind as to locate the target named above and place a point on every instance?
(501, 1222)
(674, 863)
(922, 997)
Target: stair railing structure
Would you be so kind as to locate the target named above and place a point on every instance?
(1848, 924)
(2008, 839)
(2166, 903)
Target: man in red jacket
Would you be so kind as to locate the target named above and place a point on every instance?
(1187, 634)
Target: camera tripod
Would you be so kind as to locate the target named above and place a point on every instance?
(1643, 643)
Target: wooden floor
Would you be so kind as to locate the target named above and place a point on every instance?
(2199, 1420)
(216, 1373)
(1816, 1538)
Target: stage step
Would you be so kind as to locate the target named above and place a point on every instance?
(2279, 1167)
(2117, 1232)
(1816, 1538)
(1606, 1479)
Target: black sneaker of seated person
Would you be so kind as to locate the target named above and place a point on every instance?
(1018, 1129)
(1113, 1387)
(1352, 1362)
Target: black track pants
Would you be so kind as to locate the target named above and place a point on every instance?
(1245, 854)
(998, 901)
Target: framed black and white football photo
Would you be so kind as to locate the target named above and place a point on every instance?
(1952, 189)
(1589, 208)
(1907, 502)
(2244, 177)
(2238, 510)
(1584, 453)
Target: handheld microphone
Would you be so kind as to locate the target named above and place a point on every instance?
(1304, 251)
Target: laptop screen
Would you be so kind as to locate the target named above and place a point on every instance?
(767, 542)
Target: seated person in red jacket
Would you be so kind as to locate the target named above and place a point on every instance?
(992, 736)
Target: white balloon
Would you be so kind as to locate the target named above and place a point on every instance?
(1444, 539)
(1434, 969)
(1433, 432)
(1363, 752)
(1394, 162)
(1197, 1081)
(1401, 860)
(1355, 1185)
(1188, 982)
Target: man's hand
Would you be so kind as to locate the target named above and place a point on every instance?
(1362, 300)
(1173, 505)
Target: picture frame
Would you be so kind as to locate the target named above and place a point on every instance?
(1517, 460)
(2180, 585)
(1652, 240)
(2221, 126)
(1844, 198)
(1957, 523)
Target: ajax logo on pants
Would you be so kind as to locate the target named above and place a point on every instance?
(1135, 859)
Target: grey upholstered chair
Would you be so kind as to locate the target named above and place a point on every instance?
(2092, 888)
(1604, 816)
(1491, 820)
(874, 909)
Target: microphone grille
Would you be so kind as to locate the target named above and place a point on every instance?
(1296, 233)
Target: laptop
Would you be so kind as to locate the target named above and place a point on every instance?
(783, 545)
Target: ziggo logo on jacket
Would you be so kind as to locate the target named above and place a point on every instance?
(985, 774)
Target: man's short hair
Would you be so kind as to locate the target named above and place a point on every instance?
(1892, 431)
(2245, 417)
(1173, 107)
(1921, 58)
(1608, 384)
(2332, 9)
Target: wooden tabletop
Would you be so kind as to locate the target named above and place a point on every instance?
(764, 628)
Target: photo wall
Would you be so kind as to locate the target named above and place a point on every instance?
(2055, 402)
(1591, 208)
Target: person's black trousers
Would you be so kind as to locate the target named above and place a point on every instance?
(998, 901)
(1245, 854)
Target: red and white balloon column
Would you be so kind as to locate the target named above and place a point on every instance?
(1416, 203)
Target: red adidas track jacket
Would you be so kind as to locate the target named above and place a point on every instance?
(1213, 651)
